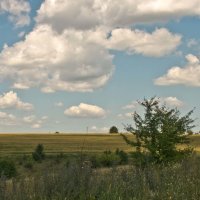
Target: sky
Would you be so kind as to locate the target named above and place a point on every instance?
(78, 66)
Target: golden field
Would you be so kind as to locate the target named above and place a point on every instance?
(68, 143)
(57, 143)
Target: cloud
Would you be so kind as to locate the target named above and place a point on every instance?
(35, 123)
(188, 75)
(85, 111)
(73, 14)
(36, 126)
(51, 61)
(45, 59)
(87, 14)
(94, 128)
(59, 104)
(11, 100)
(125, 115)
(7, 119)
(99, 130)
(18, 11)
(44, 118)
(161, 42)
(29, 119)
(21, 34)
(132, 105)
(172, 101)
(192, 42)
(68, 49)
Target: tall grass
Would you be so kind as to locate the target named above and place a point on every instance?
(78, 181)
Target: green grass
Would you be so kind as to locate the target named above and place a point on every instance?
(178, 181)
(68, 143)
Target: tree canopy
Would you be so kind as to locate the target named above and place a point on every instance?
(160, 130)
(113, 129)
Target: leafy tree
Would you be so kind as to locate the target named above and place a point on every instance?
(38, 154)
(160, 131)
(113, 129)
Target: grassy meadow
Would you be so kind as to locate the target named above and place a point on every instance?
(93, 175)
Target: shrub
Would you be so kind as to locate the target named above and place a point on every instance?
(113, 129)
(160, 131)
(7, 169)
(108, 159)
(122, 155)
(38, 154)
(95, 161)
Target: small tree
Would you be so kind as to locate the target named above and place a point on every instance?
(160, 131)
(113, 129)
(38, 154)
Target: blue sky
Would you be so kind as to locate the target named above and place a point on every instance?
(67, 65)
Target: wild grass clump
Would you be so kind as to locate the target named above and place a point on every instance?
(109, 159)
(79, 181)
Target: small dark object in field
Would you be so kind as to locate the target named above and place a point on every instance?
(38, 154)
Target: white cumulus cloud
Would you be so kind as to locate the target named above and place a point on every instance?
(188, 75)
(87, 14)
(18, 11)
(11, 100)
(161, 42)
(36, 126)
(85, 111)
(29, 119)
(7, 119)
(53, 62)
(59, 104)
(125, 115)
(95, 129)
(132, 105)
(172, 101)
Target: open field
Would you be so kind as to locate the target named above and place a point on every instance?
(68, 143)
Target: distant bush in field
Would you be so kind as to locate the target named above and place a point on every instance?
(38, 154)
(7, 169)
(113, 129)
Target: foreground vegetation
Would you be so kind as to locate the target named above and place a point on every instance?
(79, 180)
(99, 174)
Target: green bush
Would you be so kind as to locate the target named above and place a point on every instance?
(122, 155)
(7, 169)
(95, 161)
(108, 159)
(39, 155)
